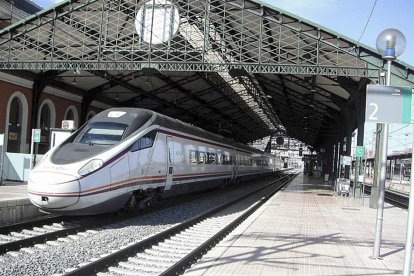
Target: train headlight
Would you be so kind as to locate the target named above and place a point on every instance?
(91, 166)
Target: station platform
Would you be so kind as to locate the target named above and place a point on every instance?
(15, 205)
(10, 190)
(306, 229)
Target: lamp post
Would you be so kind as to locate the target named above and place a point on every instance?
(390, 44)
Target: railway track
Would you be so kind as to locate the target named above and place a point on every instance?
(74, 243)
(394, 198)
(61, 229)
(171, 251)
(22, 235)
(55, 229)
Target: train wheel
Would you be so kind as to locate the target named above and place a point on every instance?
(131, 204)
(146, 202)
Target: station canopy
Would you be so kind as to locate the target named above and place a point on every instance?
(243, 69)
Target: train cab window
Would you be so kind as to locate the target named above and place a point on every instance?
(102, 133)
(145, 141)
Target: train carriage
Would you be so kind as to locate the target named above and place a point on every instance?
(129, 157)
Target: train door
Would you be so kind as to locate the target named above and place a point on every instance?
(170, 163)
(119, 172)
(235, 166)
(263, 162)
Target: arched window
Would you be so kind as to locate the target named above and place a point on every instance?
(69, 115)
(90, 115)
(16, 123)
(72, 115)
(46, 121)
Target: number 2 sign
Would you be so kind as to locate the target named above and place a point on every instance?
(388, 104)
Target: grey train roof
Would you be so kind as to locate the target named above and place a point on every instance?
(138, 116)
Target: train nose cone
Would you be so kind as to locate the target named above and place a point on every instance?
(49, 190)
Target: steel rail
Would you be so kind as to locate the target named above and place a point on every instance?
(16, 245)
(4, 229)
(396, 199)
(188, 260)
(94, 223)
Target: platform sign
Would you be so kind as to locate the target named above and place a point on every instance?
(346, 160)
(388, 104)
(36, 135)
(360, 151)
(309, 157)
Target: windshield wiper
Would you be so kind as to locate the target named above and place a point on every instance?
(88, 140)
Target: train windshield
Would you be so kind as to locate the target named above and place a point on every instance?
(102, 133)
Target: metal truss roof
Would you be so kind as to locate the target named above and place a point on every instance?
(230, 66)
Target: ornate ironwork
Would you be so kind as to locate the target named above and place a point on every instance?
(213, 36)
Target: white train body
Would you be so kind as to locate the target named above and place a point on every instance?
(129, 154)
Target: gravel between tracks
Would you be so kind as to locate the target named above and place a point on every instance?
(54, 259)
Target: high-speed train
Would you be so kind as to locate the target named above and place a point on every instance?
(129, 157)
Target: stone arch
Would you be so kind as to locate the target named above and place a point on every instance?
(90, 114)
(22, 146)
(45, 121)
(74, 111)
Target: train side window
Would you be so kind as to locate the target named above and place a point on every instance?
(219, 158)
(201, 158)
(170, 154)
(211, 158)
(145, 141)
(193, 157)
(226, 159)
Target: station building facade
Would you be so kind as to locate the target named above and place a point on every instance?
(16, 97)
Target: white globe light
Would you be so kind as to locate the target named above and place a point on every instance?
(157, 21)
(390, 43)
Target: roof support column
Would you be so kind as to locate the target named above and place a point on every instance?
(335, 162)
(348, 150)
(87, 99)
(357, 192)
(39, 84)
(341, 173)
(329, 160)
(349, 120)
(268, 148)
